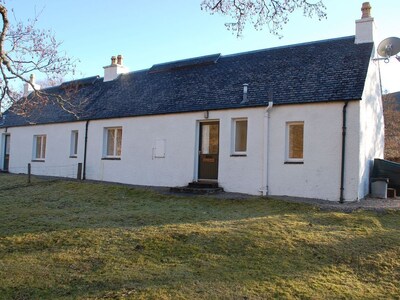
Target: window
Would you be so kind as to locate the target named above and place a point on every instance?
(74, 143)
(295, 141)
(239, 136)
(113, 142)
(39, 147)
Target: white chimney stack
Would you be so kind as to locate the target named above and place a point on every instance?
(365, 26)
(28, 87)
(116, 68)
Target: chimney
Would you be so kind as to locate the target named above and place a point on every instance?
(28, 87)
(365, 26)
(116, 68)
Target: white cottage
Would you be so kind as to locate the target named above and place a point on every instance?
(301, 120)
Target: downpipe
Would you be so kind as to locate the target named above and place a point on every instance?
(85, 150)
(342, 171)
(265, 170)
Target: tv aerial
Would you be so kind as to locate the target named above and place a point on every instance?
(389, 47)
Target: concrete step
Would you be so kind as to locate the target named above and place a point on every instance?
(203, 184)
(196, 190)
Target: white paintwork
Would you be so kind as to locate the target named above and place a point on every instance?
(57, 161)
(29, 89)
(365, 30)
(318, 177)
(372, 133)
(113, 71)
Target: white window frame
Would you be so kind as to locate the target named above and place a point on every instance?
(74, 143)
(233, 137)
(115, 145)
(41, 156)
(288, 145)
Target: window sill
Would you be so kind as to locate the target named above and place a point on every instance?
(73, 156)
(294, 162)
(238, 155)
(111, 158)
(38, 160)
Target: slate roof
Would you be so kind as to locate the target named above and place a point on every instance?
(321, 71)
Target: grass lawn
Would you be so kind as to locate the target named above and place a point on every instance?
(72, 240)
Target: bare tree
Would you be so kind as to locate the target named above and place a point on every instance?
(391, 108)
(271, 13)
(24, 50)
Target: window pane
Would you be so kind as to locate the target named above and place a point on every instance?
(75, 142)
(38, 146)
(205, 139)
(119, 141)
(241, 136)
(43, 147)
(110, 141)
(296, 132)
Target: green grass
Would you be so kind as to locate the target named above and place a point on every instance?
(72, 240)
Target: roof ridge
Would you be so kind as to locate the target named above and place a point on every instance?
(289, 46)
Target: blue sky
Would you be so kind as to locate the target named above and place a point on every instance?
(150, 32)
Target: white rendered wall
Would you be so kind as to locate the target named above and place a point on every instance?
(319, 175)
(372, 133)
(179, 167)
(58, 140)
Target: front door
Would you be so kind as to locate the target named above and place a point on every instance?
(208, 150)
(6, 152)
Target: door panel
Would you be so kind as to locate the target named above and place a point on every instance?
(208, 150)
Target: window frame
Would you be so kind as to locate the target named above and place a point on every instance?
(74, 144)
(115, 154)
(289, 159)
(235, 152)
(41, 156)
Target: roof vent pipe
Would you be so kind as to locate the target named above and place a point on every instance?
(245, 86)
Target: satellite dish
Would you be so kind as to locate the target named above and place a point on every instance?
(389, 47)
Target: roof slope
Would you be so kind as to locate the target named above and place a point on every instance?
(321, 71)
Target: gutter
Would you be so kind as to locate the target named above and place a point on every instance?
(344, 129)
(85, 150)
(265, 169)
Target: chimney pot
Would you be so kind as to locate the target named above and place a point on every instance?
(366, 10)
(113, 60)
(119, 59)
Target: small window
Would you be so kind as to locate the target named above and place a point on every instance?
(113, 142)
(39, 147)
(239, 136)
(74, 143)
(295, 141)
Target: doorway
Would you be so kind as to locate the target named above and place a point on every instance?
(208, 150)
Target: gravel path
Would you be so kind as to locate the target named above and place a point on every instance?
(374, 204)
